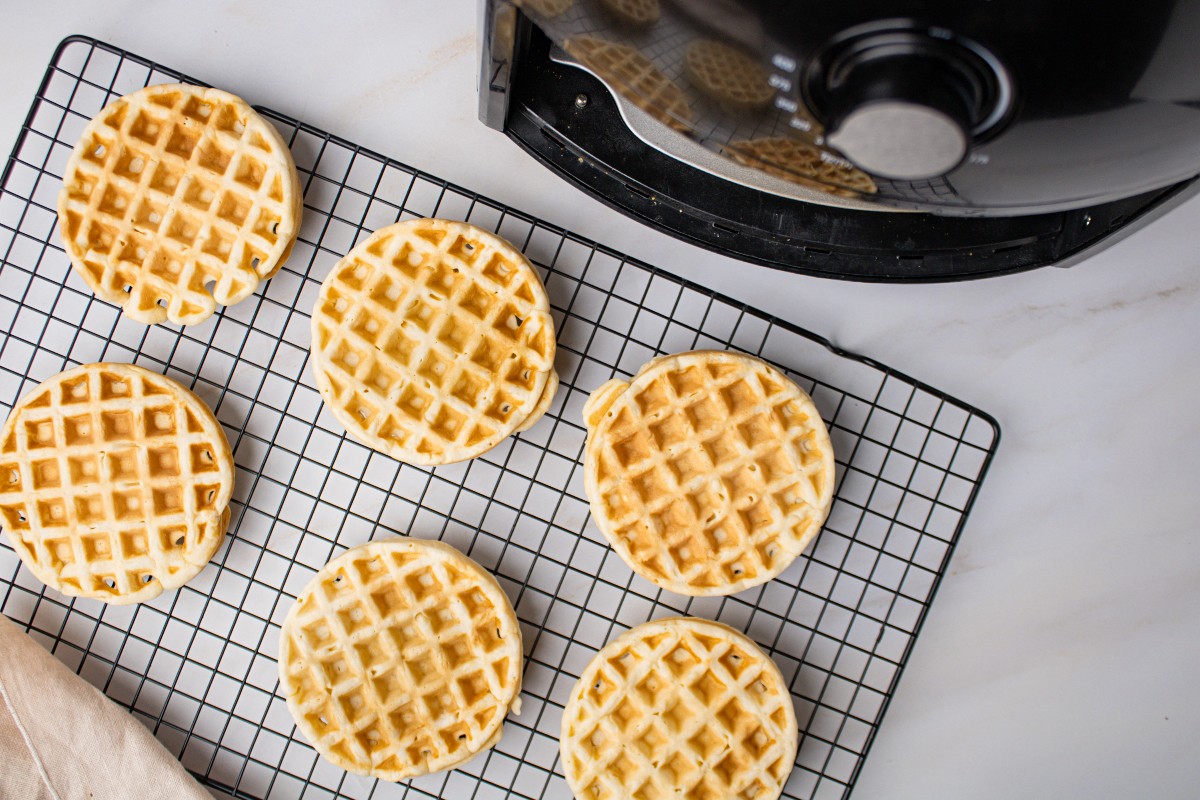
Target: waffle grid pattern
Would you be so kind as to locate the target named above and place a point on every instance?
(545, 8)
(796, 161)
(640, 13)
(178, 199)
(691, 417)
(406, 387)
(635, 76)
(666, 44)
(401, 658)
(197, 666)
(727, 75)
(679, 709)
(114, 483)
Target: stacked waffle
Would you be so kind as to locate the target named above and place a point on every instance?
(114, 482)
(176, 199)
(400, 658)
(679, 708)
(432, 341)
(708, 472)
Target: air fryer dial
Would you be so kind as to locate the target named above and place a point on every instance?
(905, 101)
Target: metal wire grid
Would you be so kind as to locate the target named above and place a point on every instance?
(665, 43)
(938, 190)
(197, 666)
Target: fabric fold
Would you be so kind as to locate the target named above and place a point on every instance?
(62, 739)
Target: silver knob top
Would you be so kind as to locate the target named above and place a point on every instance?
(900, 140)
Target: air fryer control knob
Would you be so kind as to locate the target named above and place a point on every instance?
(900, 140)
(901, 109)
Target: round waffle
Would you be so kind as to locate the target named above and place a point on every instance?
(625, 70)
(114, 482)
(708, 472)
(802, 163)
(677, 708)
(548, 9)
(400, 658)
(639, 13)
(177, 198)
(432, 341)
(727, 75)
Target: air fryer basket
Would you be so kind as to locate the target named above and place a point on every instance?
(568, 120)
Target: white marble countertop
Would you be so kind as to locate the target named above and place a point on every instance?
(1060, 658)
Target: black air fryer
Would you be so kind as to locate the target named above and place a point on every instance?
(880, 141)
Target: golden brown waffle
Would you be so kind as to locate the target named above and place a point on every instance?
(801, 163)
(709, 472)
(114, 482)
(432, 341)
(399, 658)
(727, 75)
(631, 74)
(639, 13)
(177, 198)
(679, 708)
(548, 9)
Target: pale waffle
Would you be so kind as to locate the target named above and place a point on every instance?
(627, 71)
(114, 482)
(504, 31)
(679, 708)
(548, 9)
(708, 472)
(399, 658)
(802, 163)
(727, 75)
(176, 199)
(638, 13)
(432, 341)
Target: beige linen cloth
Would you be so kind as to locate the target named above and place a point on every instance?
(61, 739)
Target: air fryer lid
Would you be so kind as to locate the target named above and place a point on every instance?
(570, 121)
(954, 108)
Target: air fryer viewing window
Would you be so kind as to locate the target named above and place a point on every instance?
(786, 132)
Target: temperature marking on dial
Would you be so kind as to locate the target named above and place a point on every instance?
(829, 158)
(978, 158)
(801, 123)
(780, 82)
(784, 63)
(786, 104)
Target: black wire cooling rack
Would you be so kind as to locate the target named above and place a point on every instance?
(197, 665)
